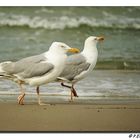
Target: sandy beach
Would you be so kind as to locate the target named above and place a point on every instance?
(69, 117)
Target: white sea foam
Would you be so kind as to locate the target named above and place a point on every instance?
(109, 21)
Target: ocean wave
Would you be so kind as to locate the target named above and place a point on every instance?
(110, 21)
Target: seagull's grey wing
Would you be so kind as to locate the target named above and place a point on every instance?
(36, 70)
(21, 65)
(75, 59)
(28, 67)
(74, 66)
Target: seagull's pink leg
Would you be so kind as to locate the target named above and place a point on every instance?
(73, 91)
(39, 100)
(21, 97)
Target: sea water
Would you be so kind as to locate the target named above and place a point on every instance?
(26, 31)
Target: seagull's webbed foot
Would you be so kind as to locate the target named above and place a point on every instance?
(21, 99)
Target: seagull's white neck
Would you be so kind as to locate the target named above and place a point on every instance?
(55, 57)
(90, 52)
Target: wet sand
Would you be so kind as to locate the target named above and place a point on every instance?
(69, 117)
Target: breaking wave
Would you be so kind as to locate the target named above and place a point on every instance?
(69, 22)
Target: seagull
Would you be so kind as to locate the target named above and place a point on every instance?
(38, 69)
(78, 66)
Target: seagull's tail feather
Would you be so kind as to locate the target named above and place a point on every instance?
(61, 79)
(2, 72)
(2, 75)
(5, 76)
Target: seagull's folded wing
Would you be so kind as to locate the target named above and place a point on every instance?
(74, 66)
(36, 70)
(29, 67)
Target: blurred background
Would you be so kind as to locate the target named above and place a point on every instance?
(26, 31)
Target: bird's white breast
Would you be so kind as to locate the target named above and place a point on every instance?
(91, 58)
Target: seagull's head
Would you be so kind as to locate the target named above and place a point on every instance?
(61, 47)
(93, 40)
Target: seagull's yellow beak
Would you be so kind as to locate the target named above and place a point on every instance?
(73, 50)
(100, 38)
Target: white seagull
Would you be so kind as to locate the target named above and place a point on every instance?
(78, 66)
(37, 70)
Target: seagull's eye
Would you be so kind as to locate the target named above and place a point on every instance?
(63, 46)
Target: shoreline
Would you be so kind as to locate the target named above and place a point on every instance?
(63, 99)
